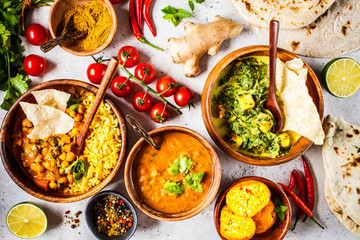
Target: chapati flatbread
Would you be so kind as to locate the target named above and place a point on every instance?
(335, 33)
(340, 214)
(300, 113)
(291, 14)
(52, 98)
(342, 164)
(47, 120)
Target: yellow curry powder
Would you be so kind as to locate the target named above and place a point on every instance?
(93, 17)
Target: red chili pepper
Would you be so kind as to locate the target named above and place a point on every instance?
(135, 27)
(309, 184)
(302, 195)
(300, 203)
(138, 8)
(292, 181)
(147, 18)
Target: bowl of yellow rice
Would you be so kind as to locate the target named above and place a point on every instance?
(104, 148)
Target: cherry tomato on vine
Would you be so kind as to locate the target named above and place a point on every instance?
(141, 103)
(34, 65)
(95, 72)
(133, 56)
(36, 34)
(184, 97)
(121, 86)
(159, 113)
(145, 69)
(166, 84)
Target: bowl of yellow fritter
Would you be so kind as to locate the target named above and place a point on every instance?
(252, 208)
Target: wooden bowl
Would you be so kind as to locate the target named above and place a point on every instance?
(14, 168)
(215, 183)
(280, 228)
(299, 147)
(56, 24)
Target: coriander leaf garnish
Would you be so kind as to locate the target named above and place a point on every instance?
(193, 181)
(72, 101)
(78, 168)
(180, 165)
(175, 188)
(175, 15)
(74, 106)
(280, 209)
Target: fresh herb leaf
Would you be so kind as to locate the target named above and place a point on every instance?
(180, 165)
(78, 168)
(175, 15)
(191, 5)
(280, 209)
(74, 106)
(193, 181)
(358, 149)
(174, 168)
(185, 164)
(175, 188)
(72, 101)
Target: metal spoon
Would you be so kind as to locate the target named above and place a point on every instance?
(142, 132)
(69, 33)
(271, 102)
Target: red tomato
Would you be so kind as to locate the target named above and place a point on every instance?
(34, 65)
(119, 88)
(36, 34)
(95, 72)
(133, 56)
(145, 68)
(164, 84)
(184, 97)
(141, 103)
(159, 113)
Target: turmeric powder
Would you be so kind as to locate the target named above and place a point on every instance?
(93, 18)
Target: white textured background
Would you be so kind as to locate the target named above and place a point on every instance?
(63, 65)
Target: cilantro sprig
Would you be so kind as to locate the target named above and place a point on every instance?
(193, 181)
(78, 168)
(175, 188)
(280, 209)
(180, 165)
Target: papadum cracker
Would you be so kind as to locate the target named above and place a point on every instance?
(52, 98)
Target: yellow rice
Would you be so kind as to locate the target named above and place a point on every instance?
(102, 145)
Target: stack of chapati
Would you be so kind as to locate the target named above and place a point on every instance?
(314, 28)
(341, 155)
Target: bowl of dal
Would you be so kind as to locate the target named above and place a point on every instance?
(48, 167)
(97, 17)
(233, 109)
(256, 219)
(178, 181)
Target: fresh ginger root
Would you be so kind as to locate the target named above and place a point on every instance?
(199, 39)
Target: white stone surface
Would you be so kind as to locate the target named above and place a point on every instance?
(62, 65)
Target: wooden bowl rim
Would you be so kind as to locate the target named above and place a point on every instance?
(221, 198)
(209, 124)
(109, 7)
(210, 195)
(93, 190)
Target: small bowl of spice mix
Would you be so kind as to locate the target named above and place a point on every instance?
(109, 215)
(96, 17)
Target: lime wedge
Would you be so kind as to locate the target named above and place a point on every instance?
(26, 220)
(342, 77)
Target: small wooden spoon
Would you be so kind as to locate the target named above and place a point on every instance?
(271, 102)
(68, 33)
(105, 83)
(142, 132)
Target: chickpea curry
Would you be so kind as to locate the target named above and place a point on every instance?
(51, 162)
(176, 178)
(239, 111)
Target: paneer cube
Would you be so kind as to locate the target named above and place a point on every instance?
(235, 142)
(264, 122)
(246, 102)
(284, 139)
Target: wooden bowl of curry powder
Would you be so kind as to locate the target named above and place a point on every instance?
(97, 17)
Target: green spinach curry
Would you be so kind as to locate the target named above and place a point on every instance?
(239, 113)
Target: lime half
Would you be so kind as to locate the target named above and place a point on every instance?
(26, 220)
(342, 77)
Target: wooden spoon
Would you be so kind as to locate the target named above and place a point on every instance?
(105, 83)
(271, 102)
(142, 132)
(69, 32)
